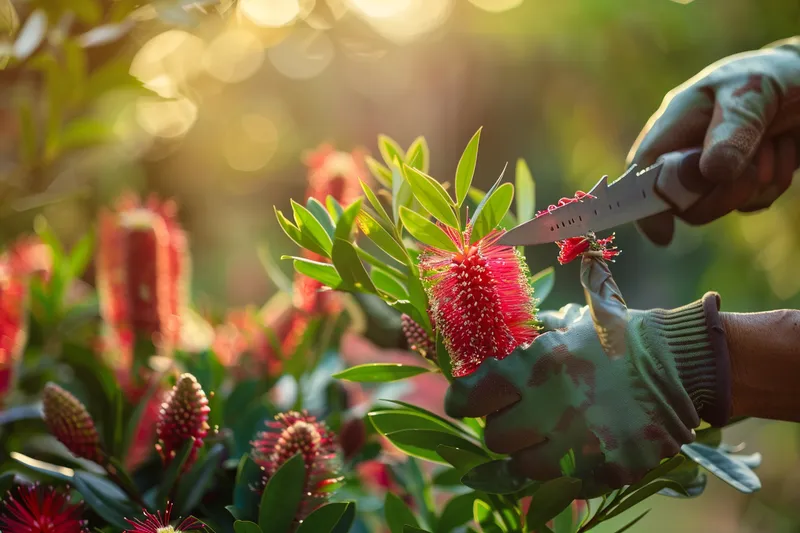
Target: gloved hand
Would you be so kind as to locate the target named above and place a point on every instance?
(745, 113)
(619, 416)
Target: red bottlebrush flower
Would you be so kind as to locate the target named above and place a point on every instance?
(40, 509)
(142, 272)
(418, 339)
(183, 416)
(242, 344)
(480, 298)
(292, 433)
(577, 246)
(70, 422)
(158, 523)
(335, 173)
(26, 257)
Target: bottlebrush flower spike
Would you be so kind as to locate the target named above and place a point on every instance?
(158, 523)
(480, 298)
(418, 339)
(40, 509)
(70, 422)
(183, 416)
(143, 270)
(292, 433)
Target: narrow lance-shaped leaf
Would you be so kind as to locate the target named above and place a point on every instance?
(426, 231)
(375, 203)
(526, 192)
(431, 195)
(380, 372)
(466, 167)
(390, 150)
(418, 155)
(486, 197)
(310, 227)
(373, 230)
(493, 211)
(344, 226)
(349, 266)
(321, 215)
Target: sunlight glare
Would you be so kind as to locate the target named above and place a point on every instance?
(496, 6)
(234, 56)
(166, 118)
(167, 60)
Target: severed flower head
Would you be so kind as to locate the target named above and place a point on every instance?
(158, 523)
(40, 509)
(183, 417)
(481, 300)
(292, 433)
(574, 247)
(70, 422)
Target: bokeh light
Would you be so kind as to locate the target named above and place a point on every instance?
(496, 6)
(303, 54)
(381, 8)
(274, 13)
(409, 20)
(233, 56)
(166, 118)
(167, 61)
(250, 143)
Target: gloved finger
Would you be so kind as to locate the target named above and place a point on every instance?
(540, 462)
(658, 229)
(606, 304)
(484, 391)
(680, 122)
(723, 199)
(512, 429)
(785, 163)
(742, 114)
(561, 319)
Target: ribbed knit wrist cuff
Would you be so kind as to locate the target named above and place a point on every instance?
(696, 339)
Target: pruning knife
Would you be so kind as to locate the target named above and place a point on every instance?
(629, 198)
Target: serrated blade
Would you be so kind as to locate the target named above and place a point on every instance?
(630, 198)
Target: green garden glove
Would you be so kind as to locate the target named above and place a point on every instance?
(744, 111)
(619, 414)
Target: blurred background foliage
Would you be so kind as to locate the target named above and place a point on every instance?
(215, 104)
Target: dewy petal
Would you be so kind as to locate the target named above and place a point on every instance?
(480, 299)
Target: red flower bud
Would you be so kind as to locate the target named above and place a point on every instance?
(292, 433)
(142, 271)
(480, 299)
(70, 422)
(40, 509)
(418, 338)
(183, 417)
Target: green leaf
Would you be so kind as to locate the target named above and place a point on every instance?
(322, 272)
(392, 420)
(526, 192)
(294, 233)
(397, 514)
(494, 209)
(388, 284)
(380, 171)
(642, 494)
(193, 485)
(551, 498)
(390, 150)
(484, 517)
(443, 358)
(661, 470)
(412, 529)
(344, 226)
(486, 197)
(172, 472)
(347, 519)
(431, 195)
(349, 266)
(282, 496)
(426, 231)
(311, 228)
(81, 254)
(274, 272)
(495, 477)
(447, 477)
(380, 372)
(457, 512)
(376, 203)
(424, 442)
(324, 519)
(418, 155)
(245, 499)
(633, 522)
(243, 526)
(322, 216)
(462, 460)
(334, 208)
(427, 414)
(104, 498)
(466, 167)
(401, 193)
(543, 283)
(728, 469)
(377, 234)
(48, 469)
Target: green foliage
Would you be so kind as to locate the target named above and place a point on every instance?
(380, 372)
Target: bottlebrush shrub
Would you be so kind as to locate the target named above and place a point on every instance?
(426, 246)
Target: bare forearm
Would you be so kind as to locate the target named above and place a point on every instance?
(764, 353)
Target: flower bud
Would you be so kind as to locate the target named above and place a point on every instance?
(183, 417)
(70, 422)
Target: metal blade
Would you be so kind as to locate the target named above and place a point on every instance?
(632, 197)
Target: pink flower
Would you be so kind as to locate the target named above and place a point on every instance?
(480, 299)
(183, 417)
(158, 523)
(292, 433)
(40, 509)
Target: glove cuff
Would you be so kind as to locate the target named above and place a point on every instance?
(696, 339)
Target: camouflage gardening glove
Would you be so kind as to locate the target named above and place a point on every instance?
(744, 111)
(619, 416)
